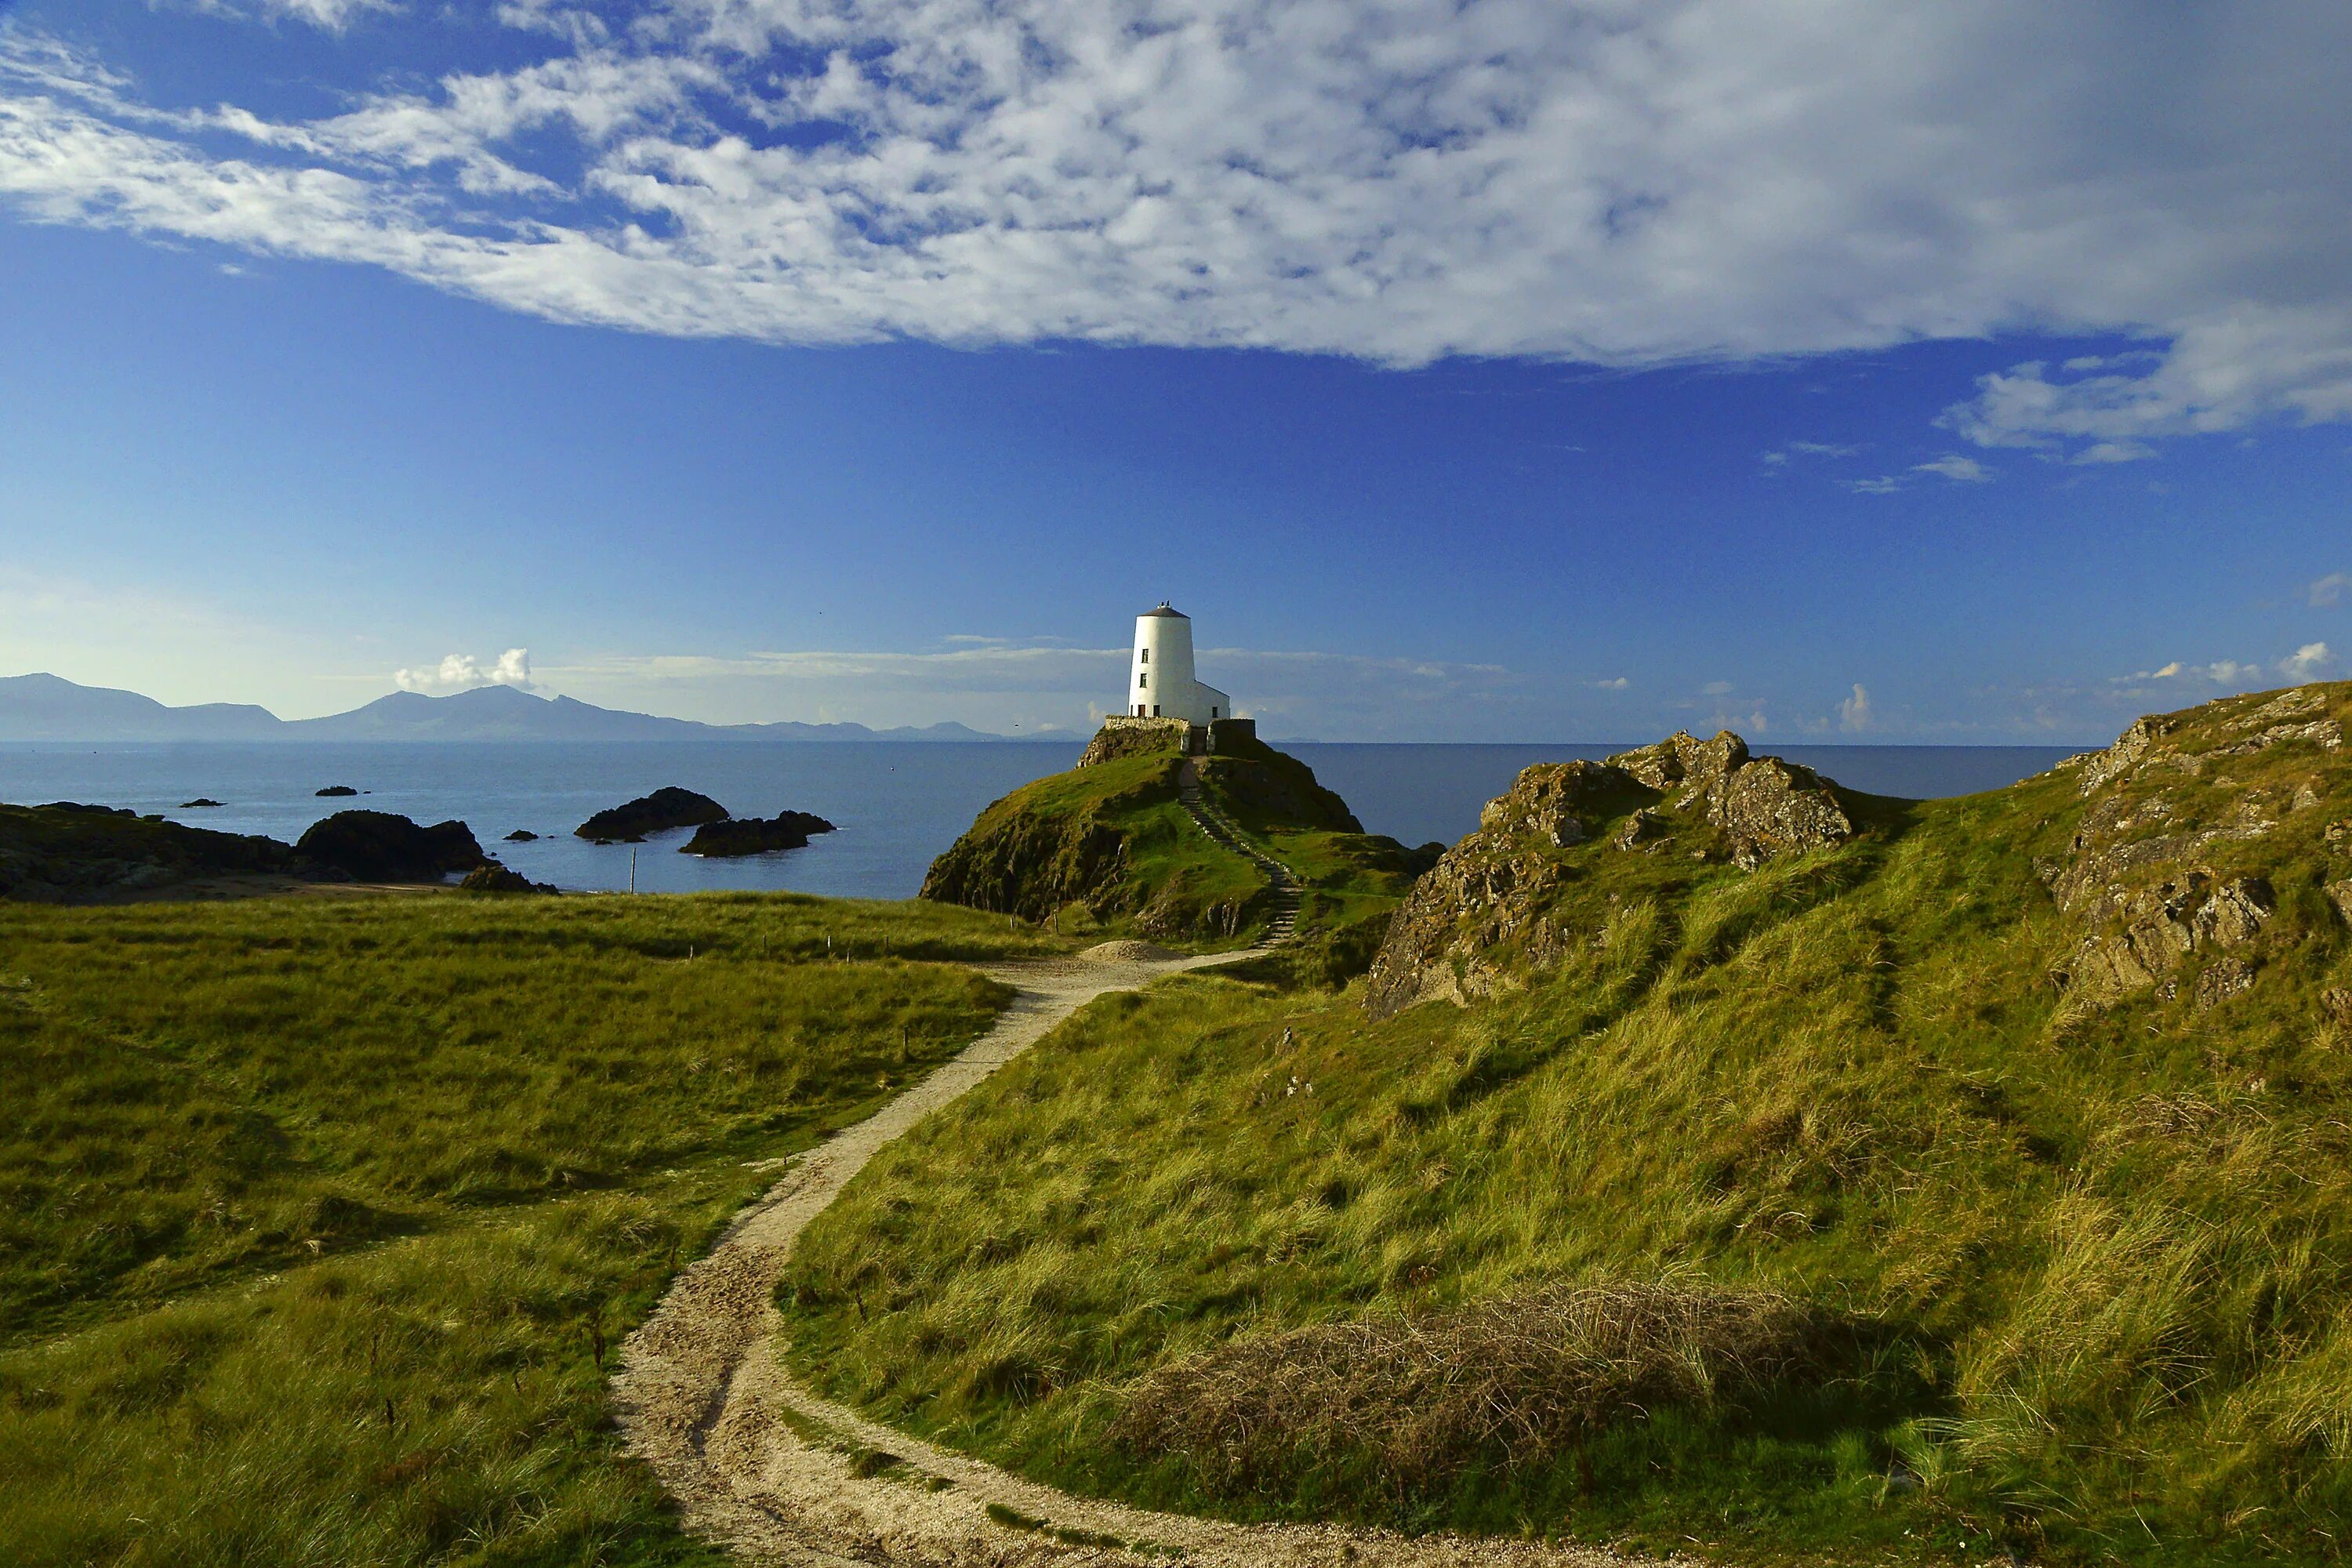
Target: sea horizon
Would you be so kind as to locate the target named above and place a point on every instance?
(896, 805)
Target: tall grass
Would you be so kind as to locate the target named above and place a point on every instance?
(2094, 1266)
(324, 1218)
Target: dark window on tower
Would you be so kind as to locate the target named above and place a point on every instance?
(1142, 680)
(1147, 656)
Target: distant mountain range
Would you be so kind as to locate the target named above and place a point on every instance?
(50, 707)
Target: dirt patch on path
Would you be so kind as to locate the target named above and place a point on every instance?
(702, 1395)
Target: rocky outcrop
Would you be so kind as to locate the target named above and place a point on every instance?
(522, 836)
(1142, 739)
(334, 792)
(1767, 808)
(756, 834)
(1031, 864)
(1482, 918)
(381, 847)
(69, 853)
(490, 876)
(665, 808)
(2167, 871)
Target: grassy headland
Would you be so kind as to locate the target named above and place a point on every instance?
(1109, 848)
(1978, 1180)
(321, 1219)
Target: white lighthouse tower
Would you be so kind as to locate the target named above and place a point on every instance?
(1159, 680)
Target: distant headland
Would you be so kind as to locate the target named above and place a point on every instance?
(50, 708)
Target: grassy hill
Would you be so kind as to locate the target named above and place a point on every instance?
(1713, 1157)
(1110, 847)
(319, 1218)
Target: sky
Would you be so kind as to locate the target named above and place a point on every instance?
(1468, 370)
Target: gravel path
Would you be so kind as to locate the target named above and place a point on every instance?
(702, 1394)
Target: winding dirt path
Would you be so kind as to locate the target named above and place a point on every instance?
(703, 1397)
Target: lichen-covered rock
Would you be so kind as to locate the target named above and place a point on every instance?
(1644, 829)
(1769, 808)
(2148, 869)
(1683, 763)
(1481, 919)
(1548, 797)
(2164, 925)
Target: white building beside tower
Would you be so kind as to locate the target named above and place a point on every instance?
(1159, 679)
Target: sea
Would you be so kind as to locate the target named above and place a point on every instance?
(895, 804)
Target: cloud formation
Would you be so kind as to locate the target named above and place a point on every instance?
(1854, 712)
(464, 672)
(2307, 662)
(333, 15)
(1621, 182)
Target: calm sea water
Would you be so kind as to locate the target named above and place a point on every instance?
(896, 805)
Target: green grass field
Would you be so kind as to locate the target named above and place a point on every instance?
(2073, 1282)
(320, 1219)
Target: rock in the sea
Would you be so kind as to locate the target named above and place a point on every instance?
(490, 876)
(665, 808)
(334, 792)
(380, 846)
(756, 835)
(76, 807)
(197, 804)
(522, 836)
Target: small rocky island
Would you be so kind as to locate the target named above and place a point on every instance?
(334, 792)
(381, 847)
(756, 835)
(667, 807)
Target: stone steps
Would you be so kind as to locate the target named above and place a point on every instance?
(1288, 897)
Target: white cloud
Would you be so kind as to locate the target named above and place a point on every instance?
(1853, 713)
(1880, 485)
(464, 672)
(1615, 683)
(1780, 457)
(2328, 591)
(2305, 663)
(1957, 469)
(1633, 183)
(997, 685)
(333, 15)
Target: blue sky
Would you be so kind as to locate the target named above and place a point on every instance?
(1501, 372)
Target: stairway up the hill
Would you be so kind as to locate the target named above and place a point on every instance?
(1282, 923)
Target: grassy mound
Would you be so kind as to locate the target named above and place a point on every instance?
(2031, 1107)
(320, 1219)
(1108, 846)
